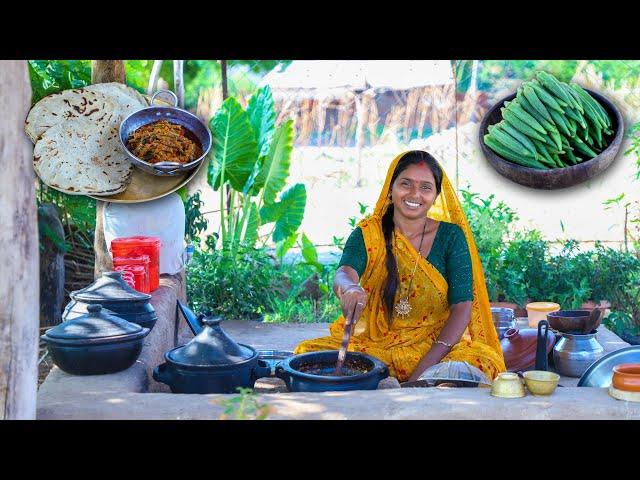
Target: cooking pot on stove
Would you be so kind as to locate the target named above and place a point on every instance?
(211, 363)
(291, 370)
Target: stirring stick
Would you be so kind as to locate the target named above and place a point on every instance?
(342, 354)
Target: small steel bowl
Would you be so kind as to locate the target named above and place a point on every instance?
(173, 114)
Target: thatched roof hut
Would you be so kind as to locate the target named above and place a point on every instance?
(352, 102)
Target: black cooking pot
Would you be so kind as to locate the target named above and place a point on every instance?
(289, 370)
(95, 344)
(211, 363)
(115, 295)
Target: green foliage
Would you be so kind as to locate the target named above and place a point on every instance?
(195, 222)
(489, 222)
(245, 406)
(491, 72)
(236, 285)
(251, 158)
(51, 76)
(617, 71)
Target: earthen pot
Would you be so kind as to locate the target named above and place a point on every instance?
(519, 348)
(626, 376)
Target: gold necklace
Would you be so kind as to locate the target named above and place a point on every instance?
(403, 307)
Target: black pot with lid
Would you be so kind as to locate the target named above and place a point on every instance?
(211, 363)
(115, 295)
(95, 343)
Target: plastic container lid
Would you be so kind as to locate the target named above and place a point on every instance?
(543, 306)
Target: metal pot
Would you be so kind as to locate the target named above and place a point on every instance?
(298, 381)
(116, 297)
(574, 353)
(211, 363)
(173, 114)
(94, 344)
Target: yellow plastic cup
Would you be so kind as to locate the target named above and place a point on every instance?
(537, 311)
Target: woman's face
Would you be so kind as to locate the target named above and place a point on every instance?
(414, 191)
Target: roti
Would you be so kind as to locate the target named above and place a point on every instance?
(126, 98)
(69, 105)
(80, 158)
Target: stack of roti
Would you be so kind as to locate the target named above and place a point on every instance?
(77, 149)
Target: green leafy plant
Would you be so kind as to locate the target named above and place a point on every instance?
(236, 285)
(489, 221)
(51, 76)
(244, 406)
(195, 222)
(250, 166)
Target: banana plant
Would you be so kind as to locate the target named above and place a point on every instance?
(252, 156)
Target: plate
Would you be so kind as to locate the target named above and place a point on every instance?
(145, 187)
(600, 373)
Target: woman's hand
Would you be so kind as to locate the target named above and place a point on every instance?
(352, 301)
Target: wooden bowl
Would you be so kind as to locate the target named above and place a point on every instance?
(555, 178)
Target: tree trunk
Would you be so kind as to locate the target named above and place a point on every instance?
(104, 71)
(51, 265)
(19, 282)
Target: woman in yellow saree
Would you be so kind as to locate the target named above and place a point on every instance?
(411, 279)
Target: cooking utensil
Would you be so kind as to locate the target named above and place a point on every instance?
(503, 319)
(594, 320)
(600, 373)
(541, 382)
(299, 381)
(519, 348)
(273, 357)
(173, 114)
(508, 385)
(114, 294)
(574, 353)
(569, 321)
(542, 360)
(95, 343)
(212, 362)
(194, 322)
(348, 330)
(557, 177)
(626, 377)
(537, 311)
(454, 373)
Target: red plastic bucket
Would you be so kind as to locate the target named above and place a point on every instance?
(140, 245)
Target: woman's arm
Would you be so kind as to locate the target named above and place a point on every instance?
(347, 288)
(454, 327)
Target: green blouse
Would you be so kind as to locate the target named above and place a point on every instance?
(449, 255)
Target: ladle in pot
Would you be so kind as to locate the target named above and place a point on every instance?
(348, 330)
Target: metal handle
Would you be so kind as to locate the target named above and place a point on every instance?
(260, 371)
(175, 97)
(282, 374)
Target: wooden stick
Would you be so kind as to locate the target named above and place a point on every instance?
(348, 330)
(153, 78)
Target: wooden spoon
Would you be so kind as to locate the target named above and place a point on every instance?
(348, 330)
(593, 321)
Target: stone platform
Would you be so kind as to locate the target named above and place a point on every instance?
(132, 394)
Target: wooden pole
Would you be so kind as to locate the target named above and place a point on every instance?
(19, 255)
(178, 81)
(153, 78)
(104, 71)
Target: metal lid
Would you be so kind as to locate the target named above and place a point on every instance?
(461, 374)
(95, 324)
(211, 347)
(110, 287)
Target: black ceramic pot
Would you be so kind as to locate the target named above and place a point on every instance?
(113, 294)
(95, 344)
(298, 381)
(211, 363)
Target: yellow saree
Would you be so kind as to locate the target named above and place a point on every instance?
(406, 341)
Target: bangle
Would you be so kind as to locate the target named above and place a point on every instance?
(443, 343)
